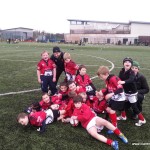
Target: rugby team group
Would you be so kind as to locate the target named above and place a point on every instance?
(76, 100)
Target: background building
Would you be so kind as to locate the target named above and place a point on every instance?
(20, 33)
(107, 32)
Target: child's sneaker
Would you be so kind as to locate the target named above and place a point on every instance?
(123, 138)
(115, 145)
(110, 132)
(121, 118)
(140, 123)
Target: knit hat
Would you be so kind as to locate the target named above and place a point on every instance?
(136, 64)
(127, 59)
(56, 49)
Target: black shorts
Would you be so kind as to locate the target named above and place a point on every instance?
(116, 105)
(56, 114)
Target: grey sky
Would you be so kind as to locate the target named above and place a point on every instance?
(51, 15)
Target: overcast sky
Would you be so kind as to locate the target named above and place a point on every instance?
(51, 15)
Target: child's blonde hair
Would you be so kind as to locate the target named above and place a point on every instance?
(103, 70)
(82, 93)
(44, 52)
(67, 56)
(21, 115)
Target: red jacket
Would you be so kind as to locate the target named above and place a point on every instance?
(84, 115)
(36, 118)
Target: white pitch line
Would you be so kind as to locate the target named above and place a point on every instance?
(112, 65)
(18, 60)
(27, 91)
(19, 92)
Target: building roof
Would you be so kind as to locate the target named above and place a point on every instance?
(97, 21)
(139, 22)
(130, 22)
(18, 28)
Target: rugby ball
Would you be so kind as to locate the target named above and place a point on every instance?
(74, 122)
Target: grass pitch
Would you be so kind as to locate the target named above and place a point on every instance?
(18, 73)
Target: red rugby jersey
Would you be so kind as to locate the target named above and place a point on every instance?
(83, 80)
(44, 66)
(37, 118)
(71, 67)
(84, 114)
(44, 105)
(112, 84)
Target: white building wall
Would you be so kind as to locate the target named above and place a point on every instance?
(136, 29)
(140, 29)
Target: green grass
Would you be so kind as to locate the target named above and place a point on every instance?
(18, 73)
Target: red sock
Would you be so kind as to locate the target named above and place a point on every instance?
(109, 141)
(123, 114)
(113, 118)
(140, 116)
(117, 131)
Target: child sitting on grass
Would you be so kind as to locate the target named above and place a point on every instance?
(83, 79)
(90, 122)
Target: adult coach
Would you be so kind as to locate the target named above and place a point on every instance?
(57, 57)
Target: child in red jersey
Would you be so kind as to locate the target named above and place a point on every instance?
(99, 102)
(83, 79)
(63, 91)
(90, 122)
(73, 87)
(86, 100)
(40, 118)
(70, 106)
(115, 94)
(70, 67)
(46, 73)
(45, 103)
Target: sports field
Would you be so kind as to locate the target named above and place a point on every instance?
(18, 73)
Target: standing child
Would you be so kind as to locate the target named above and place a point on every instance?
(83, 79)
(70, 67)
(128, 81)
(46, 73)
(114, 93)
(142, 85)
(90, 122)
